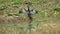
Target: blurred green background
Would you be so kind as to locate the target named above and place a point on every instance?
(46, 21)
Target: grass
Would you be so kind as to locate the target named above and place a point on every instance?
(46, 21)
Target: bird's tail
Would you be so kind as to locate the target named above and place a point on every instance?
(30, 17)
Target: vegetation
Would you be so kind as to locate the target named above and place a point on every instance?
(46, 21)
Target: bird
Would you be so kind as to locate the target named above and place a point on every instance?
(28, 12)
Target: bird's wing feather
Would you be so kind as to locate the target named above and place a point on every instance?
(24, 11)
(33, 11)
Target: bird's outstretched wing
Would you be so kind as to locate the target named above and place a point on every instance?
(33, 11)
(24, 11)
